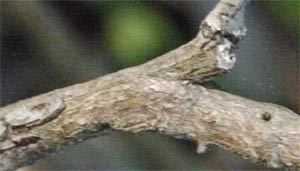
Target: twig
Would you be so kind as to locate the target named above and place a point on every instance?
(159, 95)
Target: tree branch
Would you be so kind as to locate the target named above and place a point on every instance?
(159, 95)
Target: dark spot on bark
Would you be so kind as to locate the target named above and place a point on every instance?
(26, 141)
(232, 38)
(266, 116)
(39, 106)
(18, 142)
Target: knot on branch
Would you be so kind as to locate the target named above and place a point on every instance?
(34, 115)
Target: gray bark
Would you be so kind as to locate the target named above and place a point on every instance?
(160, 95)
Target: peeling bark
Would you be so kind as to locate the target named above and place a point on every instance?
(161, 96)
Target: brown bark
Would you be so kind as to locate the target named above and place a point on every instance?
(159, 95)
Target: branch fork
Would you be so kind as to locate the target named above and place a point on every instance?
(159, 95)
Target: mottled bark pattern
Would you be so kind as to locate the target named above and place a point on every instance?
(137, 103)
(159, 95)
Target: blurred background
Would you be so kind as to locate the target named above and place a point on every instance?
(47, 45)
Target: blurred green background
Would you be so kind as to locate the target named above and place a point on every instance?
(52, 44)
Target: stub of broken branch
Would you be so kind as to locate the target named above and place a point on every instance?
(210, 53)
(159, 95)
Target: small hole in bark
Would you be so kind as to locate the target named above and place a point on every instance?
(266, 116)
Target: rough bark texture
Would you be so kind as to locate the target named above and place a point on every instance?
(159, 95)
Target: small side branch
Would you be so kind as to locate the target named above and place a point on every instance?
(209, 54)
